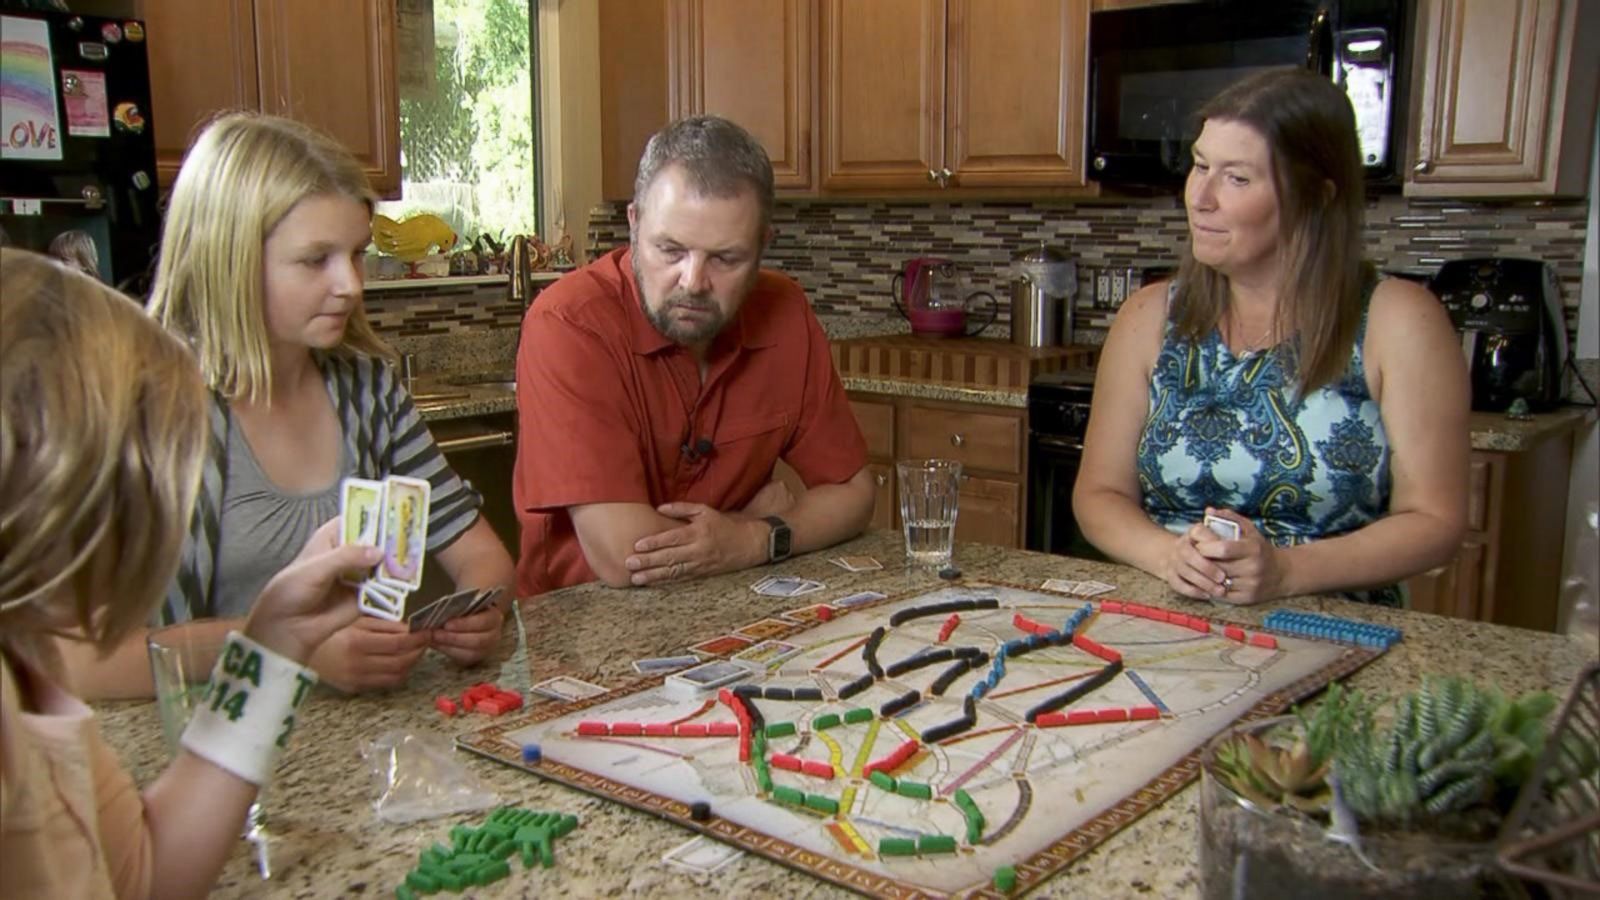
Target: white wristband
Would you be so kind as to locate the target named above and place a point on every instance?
(243, 721)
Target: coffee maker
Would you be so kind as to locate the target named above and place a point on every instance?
(1513, 334)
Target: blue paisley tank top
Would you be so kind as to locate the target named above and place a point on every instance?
(1232, 432)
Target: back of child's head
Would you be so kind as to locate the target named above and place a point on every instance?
(241, 177)
(76, 248)
(102, 435)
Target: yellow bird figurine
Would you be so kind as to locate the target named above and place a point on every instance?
(414, 238)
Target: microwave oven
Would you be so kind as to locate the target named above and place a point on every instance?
(1151, 68)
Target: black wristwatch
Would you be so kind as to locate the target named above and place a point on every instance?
(778, 542)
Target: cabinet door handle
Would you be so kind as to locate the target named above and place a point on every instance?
(881, 479)
(1423, 167)
(933, 175)
(957, 441)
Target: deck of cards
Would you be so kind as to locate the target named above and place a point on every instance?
(856, 563)
(451, 606)
(692, 683)
(785, 586)
(1081, 588)
(1226, 529)
(391, 514)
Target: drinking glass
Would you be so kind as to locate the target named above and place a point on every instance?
(181, 659)
(929, 494)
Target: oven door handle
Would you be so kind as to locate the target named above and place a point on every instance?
(476, 442)
(1058, 443)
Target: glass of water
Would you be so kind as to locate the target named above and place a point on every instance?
(181, 659)
(929, 493)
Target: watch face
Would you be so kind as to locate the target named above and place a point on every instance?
(779, 546)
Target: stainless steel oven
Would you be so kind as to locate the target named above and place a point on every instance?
(1058, 414)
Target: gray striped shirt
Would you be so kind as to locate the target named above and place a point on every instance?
(382, 433)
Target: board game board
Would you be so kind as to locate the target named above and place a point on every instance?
(916, 745)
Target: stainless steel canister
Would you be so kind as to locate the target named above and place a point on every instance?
(1043, 281)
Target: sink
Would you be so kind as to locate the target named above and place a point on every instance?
(438, 395)
(494, 378)
(504, 381)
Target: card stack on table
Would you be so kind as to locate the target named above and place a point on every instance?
(1081, 588)
(785, 586)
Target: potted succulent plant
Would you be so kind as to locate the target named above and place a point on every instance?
(1358, 798)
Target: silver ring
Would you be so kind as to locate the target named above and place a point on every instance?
(1227, 581)
(676, 569)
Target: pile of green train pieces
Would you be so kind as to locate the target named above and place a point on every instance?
(481, 856)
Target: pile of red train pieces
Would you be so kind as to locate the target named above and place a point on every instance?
(483, 697)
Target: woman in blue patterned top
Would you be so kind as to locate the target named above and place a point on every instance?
(1276, 382)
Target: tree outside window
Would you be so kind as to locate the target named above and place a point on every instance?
(467, 129)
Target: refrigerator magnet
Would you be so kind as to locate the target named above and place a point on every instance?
(128, 118)
(84, 96)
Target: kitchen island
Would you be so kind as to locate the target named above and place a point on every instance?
(331, 845)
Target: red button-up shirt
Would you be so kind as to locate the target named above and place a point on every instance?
(607, 404)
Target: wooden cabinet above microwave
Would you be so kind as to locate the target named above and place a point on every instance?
(849, 96)
(920, 94)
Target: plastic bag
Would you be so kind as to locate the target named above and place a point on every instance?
(416, 777)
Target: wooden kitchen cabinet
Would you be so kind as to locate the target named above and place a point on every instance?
(1508, 569)
(750, 62)
(988, 441)
(1505, 102)
(330, 65)
(886, 502)
(990, 511)
(938, 94)
(876, 418)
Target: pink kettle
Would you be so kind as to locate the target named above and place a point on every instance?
(928, 294)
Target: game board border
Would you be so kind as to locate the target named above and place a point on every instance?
(1031, 872)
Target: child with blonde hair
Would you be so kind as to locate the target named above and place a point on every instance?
(260, 273)
(102, 441)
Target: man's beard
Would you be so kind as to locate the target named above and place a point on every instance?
(686, 332)
(680, 332)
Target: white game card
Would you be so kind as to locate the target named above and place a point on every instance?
(1222, 528)
(405, 531)
(360, 518)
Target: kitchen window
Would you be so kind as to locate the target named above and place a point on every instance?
(469, 148)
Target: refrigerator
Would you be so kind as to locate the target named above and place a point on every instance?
(77, 151)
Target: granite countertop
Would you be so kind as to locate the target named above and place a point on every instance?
(1495, 432)
(331, 845)
(928, 390)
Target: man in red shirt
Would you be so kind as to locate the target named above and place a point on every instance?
(658, 386)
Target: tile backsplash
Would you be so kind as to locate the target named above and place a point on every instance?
(844, 253)
(432, 310)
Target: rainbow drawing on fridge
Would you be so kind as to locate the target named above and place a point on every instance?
(29, 125)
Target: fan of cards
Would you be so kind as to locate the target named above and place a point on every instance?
(393, 514)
